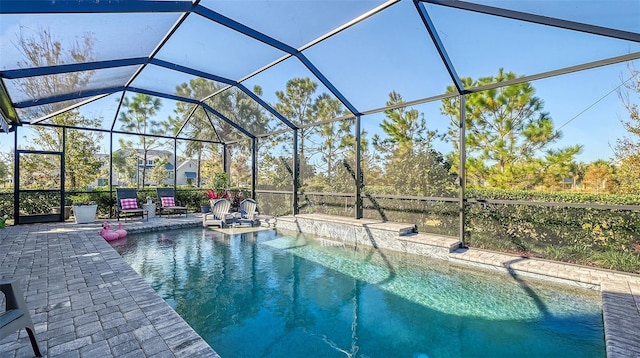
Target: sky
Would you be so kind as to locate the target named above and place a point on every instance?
(389, 51)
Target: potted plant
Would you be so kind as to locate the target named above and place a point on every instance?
(84, 210)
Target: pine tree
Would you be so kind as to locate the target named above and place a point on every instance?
(507, 133)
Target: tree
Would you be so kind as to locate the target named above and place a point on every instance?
(344, 178)
(159, 174)
(238, 107)
(558, 166)
(296, 103)
(199, 125)
(211, 164)
(335, 138)
(598, 176)
(137, 116)
(125, 162)
(627, 148)
(412, 166)
(239, 169)
(506, 129)
(5, 172)
(299, 104)
(577, 171)
(276, 172)
(82, 166)
(235, 105)
(44, 49)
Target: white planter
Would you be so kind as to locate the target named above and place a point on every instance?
(85, 213)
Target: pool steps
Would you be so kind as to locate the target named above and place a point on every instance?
(376, 233)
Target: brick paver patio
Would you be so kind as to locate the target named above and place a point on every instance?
(85, 301)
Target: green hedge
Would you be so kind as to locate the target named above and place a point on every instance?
(591, 236)
(37, 202)
(559, 197)
(430, 216)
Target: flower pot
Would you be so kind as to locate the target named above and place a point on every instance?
(205, 208)
(85, 213)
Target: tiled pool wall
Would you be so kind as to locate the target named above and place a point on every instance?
(392, 236)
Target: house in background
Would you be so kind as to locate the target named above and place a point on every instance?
(104, 169)
(121, 179)
(186, 172)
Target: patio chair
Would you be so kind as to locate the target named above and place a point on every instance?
(248, 213)
(219, 215)
(16, 314)
(127, 203)
(168, 201)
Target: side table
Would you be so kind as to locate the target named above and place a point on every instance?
(150, 209)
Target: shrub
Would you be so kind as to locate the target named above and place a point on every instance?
(574, 234)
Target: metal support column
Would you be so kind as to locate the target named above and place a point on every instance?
(111, 201)
(296, 171)
(63, 174)
(16, 177)
(225, 164)
(254, 166)
(175, 164)
(462, 167)
(359, 177)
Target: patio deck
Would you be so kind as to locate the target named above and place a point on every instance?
(85, 301)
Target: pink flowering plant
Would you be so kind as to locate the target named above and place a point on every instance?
(212, 194)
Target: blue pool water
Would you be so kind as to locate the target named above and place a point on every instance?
(267, 294)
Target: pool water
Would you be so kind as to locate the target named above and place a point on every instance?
(270, 294)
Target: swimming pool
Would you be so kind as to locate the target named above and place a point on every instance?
(267, 294)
